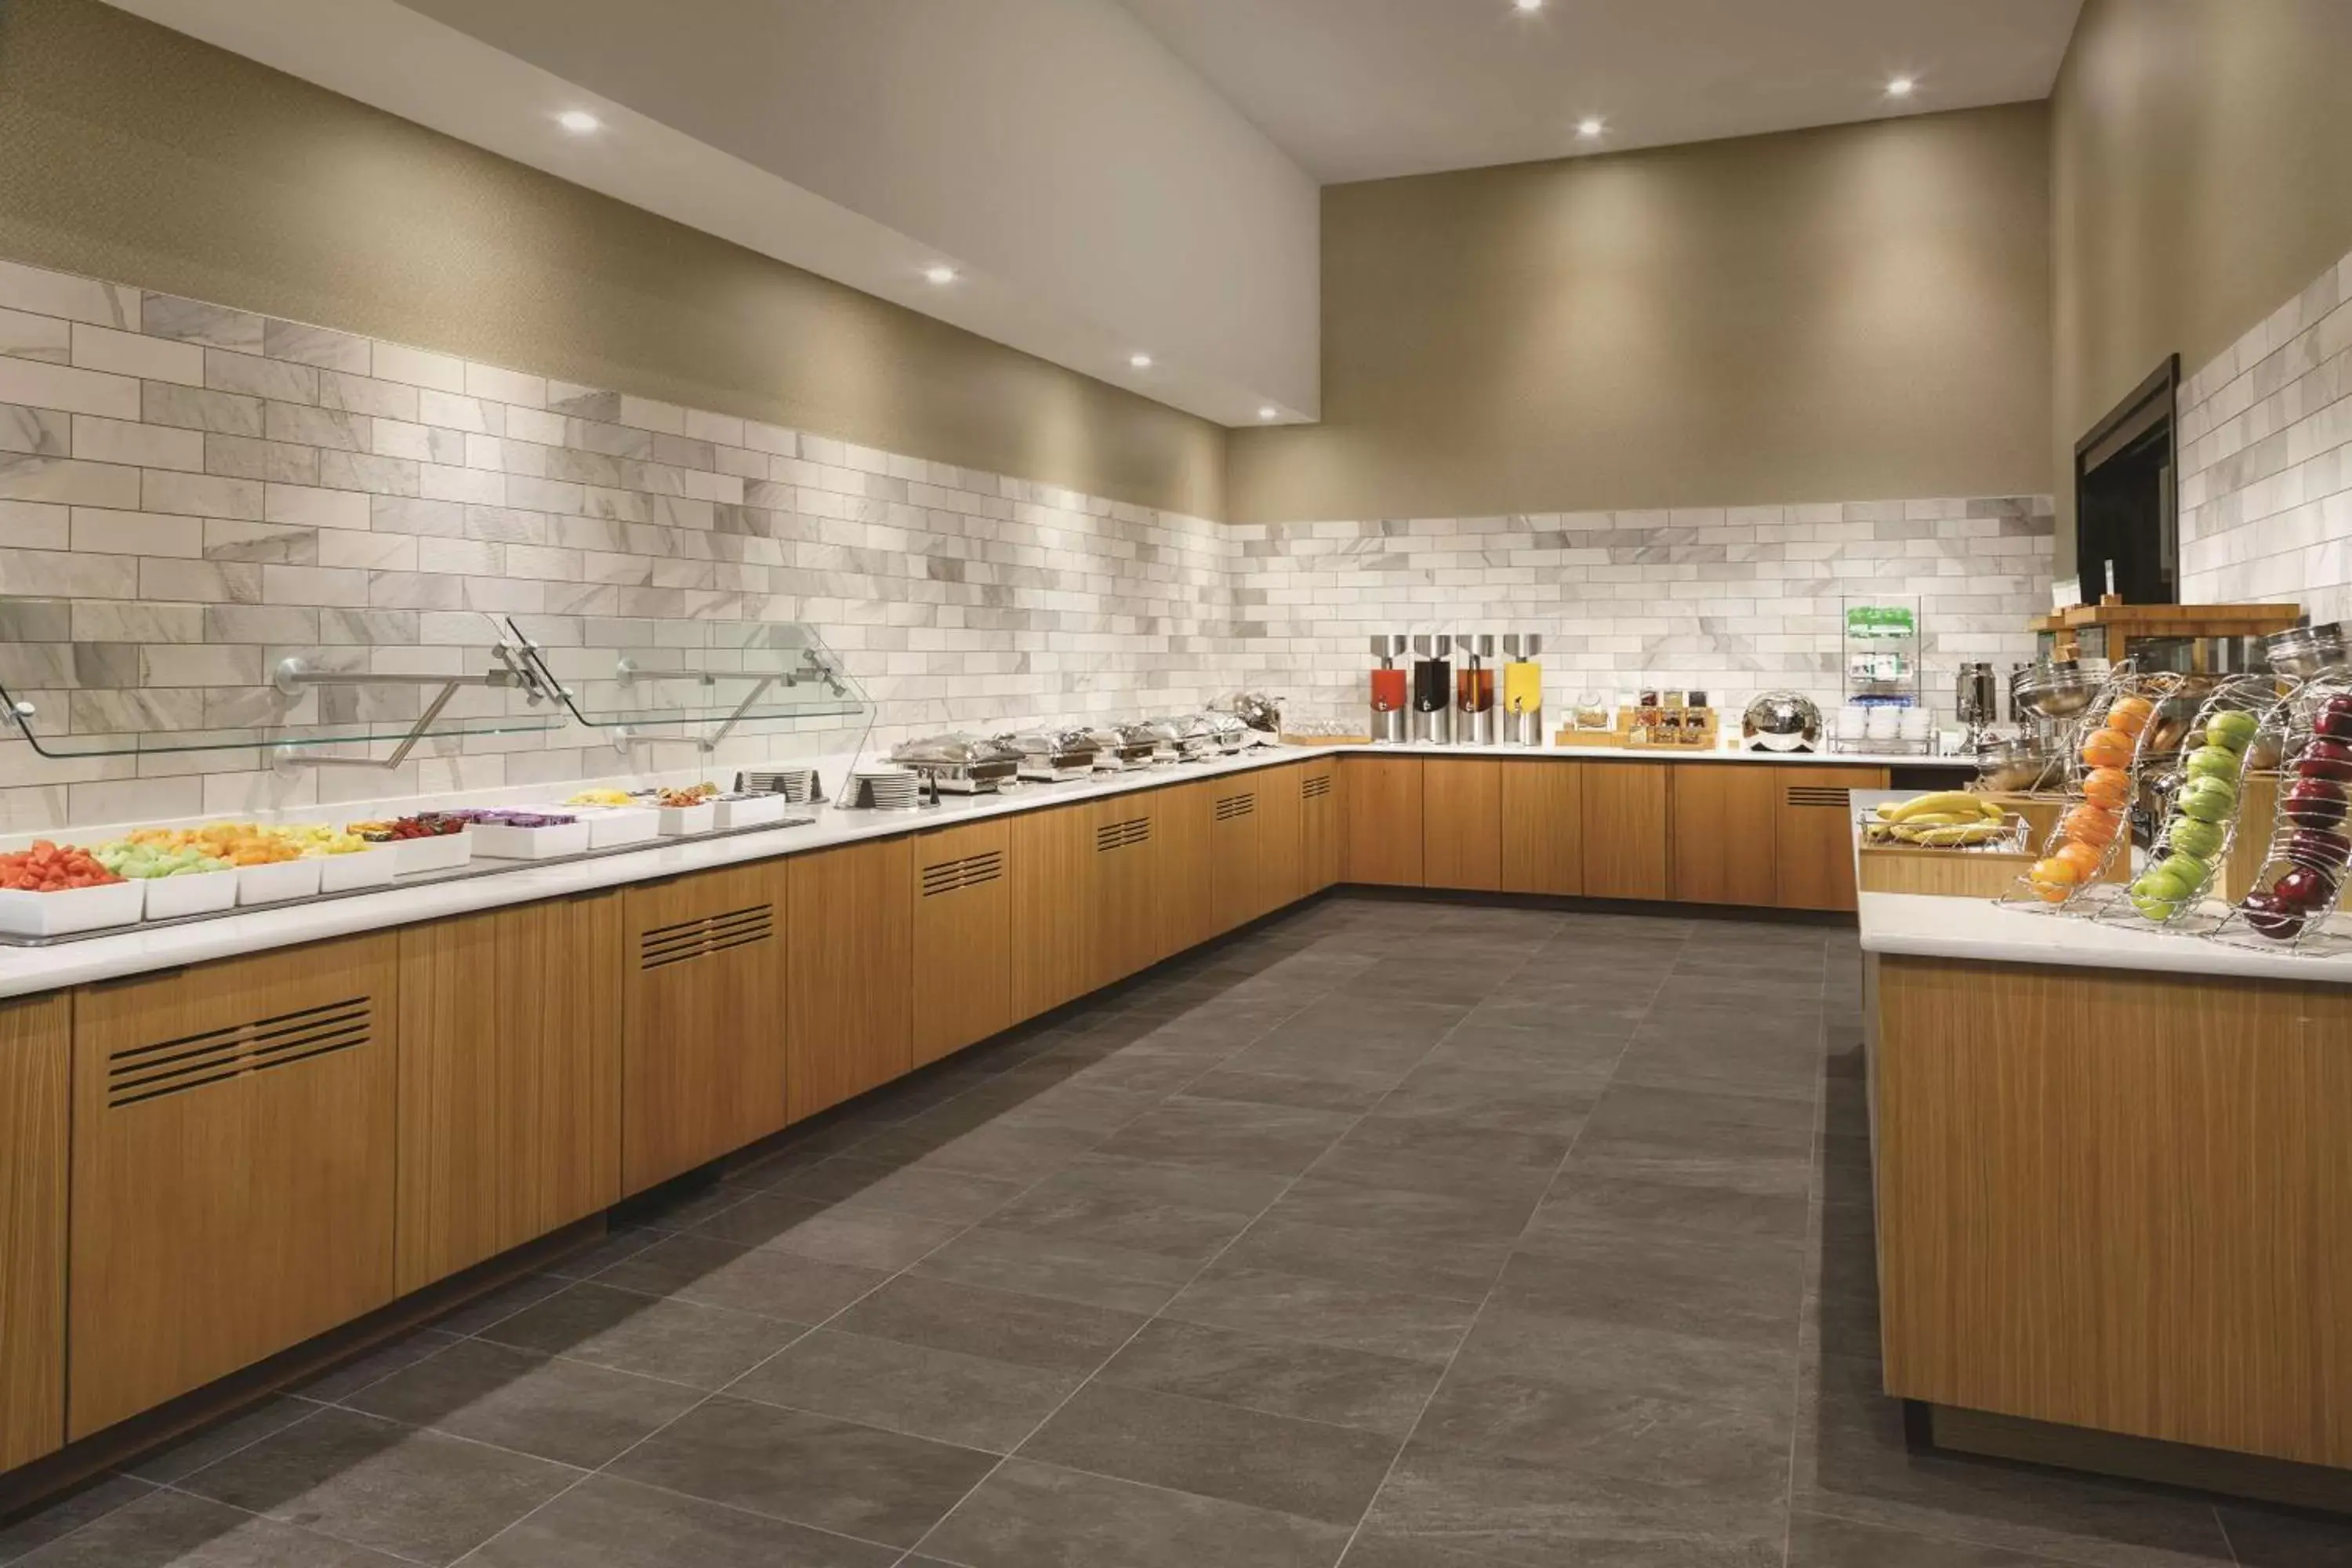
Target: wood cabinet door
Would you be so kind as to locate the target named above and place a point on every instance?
(35, 1076)
(510, 1078)
(1235, 875)
(850, 934)
(1320, 822)
(1053, 894)
(962, 954)
(702, 1043)
(1126, 885)
(1814, 837)
(1282, 865)
(1625, 823)
(1726, 826)
(1188, 910)
(1461, 824)
(1382, 796)
(1541, 807)
(232, 1167)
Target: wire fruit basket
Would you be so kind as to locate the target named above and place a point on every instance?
(2295, 894)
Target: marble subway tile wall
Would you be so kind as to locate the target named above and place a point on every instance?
(2265, 439)
(189, 493)
(1733, 601)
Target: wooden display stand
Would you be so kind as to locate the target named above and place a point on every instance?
(1962, 873)
(1700, 736)
(2108, 631)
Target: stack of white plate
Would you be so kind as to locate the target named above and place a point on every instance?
(886, 789)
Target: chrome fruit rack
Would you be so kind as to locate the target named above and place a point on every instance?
(2301, 831)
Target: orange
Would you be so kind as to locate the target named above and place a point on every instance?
(2108, 749)
(2053, 879)
(2089, 824)
(2086, 858)
(2108, 787)
(2130, 714)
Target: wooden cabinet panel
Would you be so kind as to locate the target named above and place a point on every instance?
(1188, 904)
(1281, 867)
(1126, 845)
(1625, 822)
(1236, 874)
(36, 1074)
(963, 953)
(1726, 831)
(1322, 824)
(1383, 816)
(1053, 904)
(510, 1078)
(702, 1046)
(851, 937)
(1462, 824)
(1814, 837)
(1541, 808)
(234, 1167)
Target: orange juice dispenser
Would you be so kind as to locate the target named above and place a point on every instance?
(1474, 690)
(1523, 688)
(1391, 691)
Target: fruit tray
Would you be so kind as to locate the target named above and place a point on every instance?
(74, 910)
(2295, 894)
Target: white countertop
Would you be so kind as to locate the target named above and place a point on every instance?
(1656, 754)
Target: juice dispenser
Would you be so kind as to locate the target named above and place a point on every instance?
(1474, 690)
(1433, 690)
(1523, 688)
(1390, 693)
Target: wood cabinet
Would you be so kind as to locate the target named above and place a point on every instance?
(1126, 876)
(1726, 833)
(703, 1047)
(960, 982)
(232, 1167)
(1052, 909)
(850, 937)
(1322, 824)
(1625, 820)
(1462, 824)
(1188, 903)
(510, 1078)
(1541, 813)
(35, 1075)
(1235, 872)
(1282, 868)
(1383, 841)
(1813, 834)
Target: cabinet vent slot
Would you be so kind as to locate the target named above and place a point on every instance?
(139, 1073)
(1113, 836)
(949, 875)
(710, 933)
(1314, 784)
(1818, 794)
(1234, 805)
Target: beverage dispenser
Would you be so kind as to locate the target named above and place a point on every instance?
(1433, 690)
(1474, 690)
(1390, 693)
(1523, 688)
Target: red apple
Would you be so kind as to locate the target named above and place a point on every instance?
(2304, 889)
(2314, 803)
(2319, 848)
(2269, 917)
(2333, 719)
(2325, 759)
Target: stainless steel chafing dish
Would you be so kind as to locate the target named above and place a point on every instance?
(2052, 688)
(1119, 747)
(2306, 651)
(958, 764)
(1160, 734)
(1226, 733)
(1051, 755)
(1196, 738)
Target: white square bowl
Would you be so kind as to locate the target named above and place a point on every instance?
(191, 893)
(760, 811)
(682, 819)
(276, 883)
(611, 826)
(76, 909)
(370, 867)
(442, 852)
(498, 841)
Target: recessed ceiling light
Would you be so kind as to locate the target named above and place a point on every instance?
(941, 274)
(1269, 412)
(1590, 125)
(1900, 87)
(579, 122)
(1140, 362)
(1529, 4)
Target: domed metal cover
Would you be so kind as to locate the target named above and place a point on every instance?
(1781, 721)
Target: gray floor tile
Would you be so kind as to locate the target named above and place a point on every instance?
(2275, 1537)
(1409, 1215)
(1577, 1200)
(1327, 1312)
(1333, 1092)
(973, 1401)
(1818, 1542)
(1592, 1430)
(848, 1184)
(1229, 1135)
(1040, 1516)
(375, 1365)
(1625, 1364)
(378, 1484)
(1067, 1270)
(534, 1404)
(1459, 1270)
(173, 1530)
(192, 1453)
(67, 1514)
(867, 1240)
(1379, 1549)
(766, 1280)
(678, 1341)
(859, 1481)
(503, 1302)
(1014, 1153)
(1719, 1285)
(1281, 1377)
(1002, 1325)
(610, 1523)
(1505, 1100)
(617, 1243)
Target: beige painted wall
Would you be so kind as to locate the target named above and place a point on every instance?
(135, 153)
(1820, 315)
(2201, 171)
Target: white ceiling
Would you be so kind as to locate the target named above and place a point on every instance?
(1360, 89)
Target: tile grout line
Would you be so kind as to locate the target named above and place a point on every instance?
(1815, 1240)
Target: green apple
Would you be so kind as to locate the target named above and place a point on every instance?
(2213, 762)
(2186, 870)
(2236, 730)
(2209, 799)
(2157, 898)
(2190, 837)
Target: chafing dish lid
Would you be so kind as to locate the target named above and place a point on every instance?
(955, 750)
(1049, 742)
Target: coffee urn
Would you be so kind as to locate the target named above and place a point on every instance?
(1389, 694)
(1474, 690)
(1432, 690)
(1523, 688)
(1978, 699)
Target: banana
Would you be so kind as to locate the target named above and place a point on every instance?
(1943, 802)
